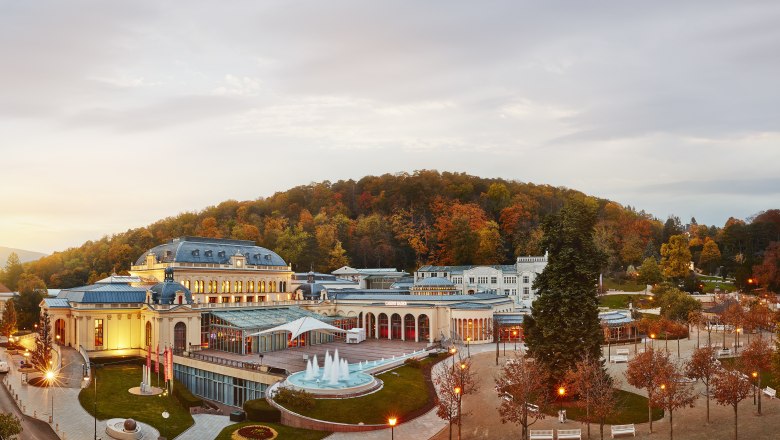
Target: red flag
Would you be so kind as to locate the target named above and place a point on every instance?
(149, 358)
(170, 364)
(157, 359)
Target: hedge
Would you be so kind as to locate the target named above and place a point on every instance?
(259, 410)
(184, 396)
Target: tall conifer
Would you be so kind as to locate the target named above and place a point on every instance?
(564, 324)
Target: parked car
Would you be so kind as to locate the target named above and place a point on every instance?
(4, 367)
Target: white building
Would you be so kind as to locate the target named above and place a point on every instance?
(513, 280)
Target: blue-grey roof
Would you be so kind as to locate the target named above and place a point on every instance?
(104, 293)
(211, 250)
(165, 292)
(56, 303)
(435, 281)
(509, 319)
(617, 317)
(511, 268)
(422, 298)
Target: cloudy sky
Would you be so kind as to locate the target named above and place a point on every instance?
(115, 115)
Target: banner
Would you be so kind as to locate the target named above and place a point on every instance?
(157, 360)
(149, 358)
(165, 364)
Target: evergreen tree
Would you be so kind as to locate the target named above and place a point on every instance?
(649, 272)
(43, 345)
(13, 270)
(564, 325)
(8, 324)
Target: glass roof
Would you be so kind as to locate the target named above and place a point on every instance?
(266, 317)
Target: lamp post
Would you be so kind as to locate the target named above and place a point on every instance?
(458, 393)
(652, 341)
(755, 375)
(514, 333)
(165, 416)
(736, 344)
(453, 350)
(50, 377)
(468, 345)
(392, 421)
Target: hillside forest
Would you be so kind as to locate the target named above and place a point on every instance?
(407, 220)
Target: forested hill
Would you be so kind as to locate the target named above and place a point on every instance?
(394, 220)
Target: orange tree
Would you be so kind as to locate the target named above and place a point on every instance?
(673, 393)
(703, 366)
(647, 371)
(757, 358)
(731, 387)
(522, 386)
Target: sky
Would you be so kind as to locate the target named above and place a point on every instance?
(116, 114)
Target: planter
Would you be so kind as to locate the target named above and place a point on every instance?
(254, 432)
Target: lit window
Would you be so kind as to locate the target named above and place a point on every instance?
(98, 333)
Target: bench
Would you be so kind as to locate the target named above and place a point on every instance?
(540, 434)
(622, 352)
(618, 358)
(533, 408)
(623, 429)
(723, 352)
(771, 392)
(569, 434)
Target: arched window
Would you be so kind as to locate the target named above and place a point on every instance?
(423, 327)
(262, 286)
(370, 325)
(251, 287)
(383, 326)
(187, 284)
(148, 334)
(409, 333)
(179, 337)
(395, 324)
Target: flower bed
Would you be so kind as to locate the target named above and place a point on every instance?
(254, 432)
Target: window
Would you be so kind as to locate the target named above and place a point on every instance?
(482, 280)
(525, 279)
(510, 280)
(514, 291)
(493, 280)
(506, 291)
(422, 274)
(526, 290)
(444, 274)
(471, 280)
(98, 333)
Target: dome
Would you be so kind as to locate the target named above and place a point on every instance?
(130, 425)
(165, 292)
(211, 251)
(435, 282)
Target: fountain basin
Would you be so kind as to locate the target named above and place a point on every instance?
(120, 430)
(357, 383)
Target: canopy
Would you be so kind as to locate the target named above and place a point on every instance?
(300, 326)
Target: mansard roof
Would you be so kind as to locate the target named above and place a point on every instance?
(212, 250)
(104, 293)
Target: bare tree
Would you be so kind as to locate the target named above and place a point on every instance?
(647, 370)
(703, 366)
(603, 399)
(731, 387)
(674, 393)
(582, 380)
(522, 386)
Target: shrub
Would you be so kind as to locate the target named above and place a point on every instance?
(298, 400)
(184, 396)
(259, 410)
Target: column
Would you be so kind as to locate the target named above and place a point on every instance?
(416, 329)
(430, 330)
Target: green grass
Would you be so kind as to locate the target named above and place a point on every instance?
(631, 408)
(619, 301)
(285, 432)
(627, 286)
(768, 379)
(400, 395)
(113, 400)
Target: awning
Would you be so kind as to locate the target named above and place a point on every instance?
(300, 326)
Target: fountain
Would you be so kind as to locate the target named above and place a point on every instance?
(129, 429)
(338, 377)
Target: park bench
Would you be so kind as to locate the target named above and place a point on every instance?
(771, 392)
(541, 434)
(724, 352)
(623, 429)
(622, 352)
(618, 358)
(533, 408)
(569, 434)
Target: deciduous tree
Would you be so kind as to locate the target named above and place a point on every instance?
(673, 393)
(522, 383)
(757, 358)
(461, 376)
(703, 366)
(675, 257)
(768, 272)
(647, 371)
(649, 272)
(10, 426)
(8, 323)
(709, 260)
(731, 387)
(43, 344)
(594, 389)
(564, 325)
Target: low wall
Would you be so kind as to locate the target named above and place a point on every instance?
(296, 420)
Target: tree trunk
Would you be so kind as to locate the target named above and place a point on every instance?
(707, 390)
(601, 429)
(735, 420)
(759, 393)
(671, 425)
(650, 414)
(450, 429)
(587, 414)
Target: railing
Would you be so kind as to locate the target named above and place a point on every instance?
(88, 366)
(242, 365)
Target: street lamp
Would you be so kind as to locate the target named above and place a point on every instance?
(58, 339)
(165, 416)
(392, 421)
(652, 340)
(736, 345)
(453, 350)
(458, 394)
(561, 393)
(50, 376)
(514, 333)
(468, 345)
(755, 375)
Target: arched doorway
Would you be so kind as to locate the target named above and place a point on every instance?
(370, 325)
(383, 324)
(59, 331)
(424, 327)
(148, 334)
(179, 337)
(409, 333)
(395, 325)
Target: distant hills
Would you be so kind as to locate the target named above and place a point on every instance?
(24, 256)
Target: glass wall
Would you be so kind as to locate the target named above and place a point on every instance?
(219, 387)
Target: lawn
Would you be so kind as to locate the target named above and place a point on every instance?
(401, 394)
(113, 400)
(631, 408)
(619, 301)
(626, 285)
(285, 432)
(768, 379)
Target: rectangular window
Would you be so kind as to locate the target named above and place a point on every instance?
(482, 280)
(506, 291)
(422, 274)
(98, 333)
(493, 280)
(514, 291)
(526, 290)
(525, 279)
(471, 280)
